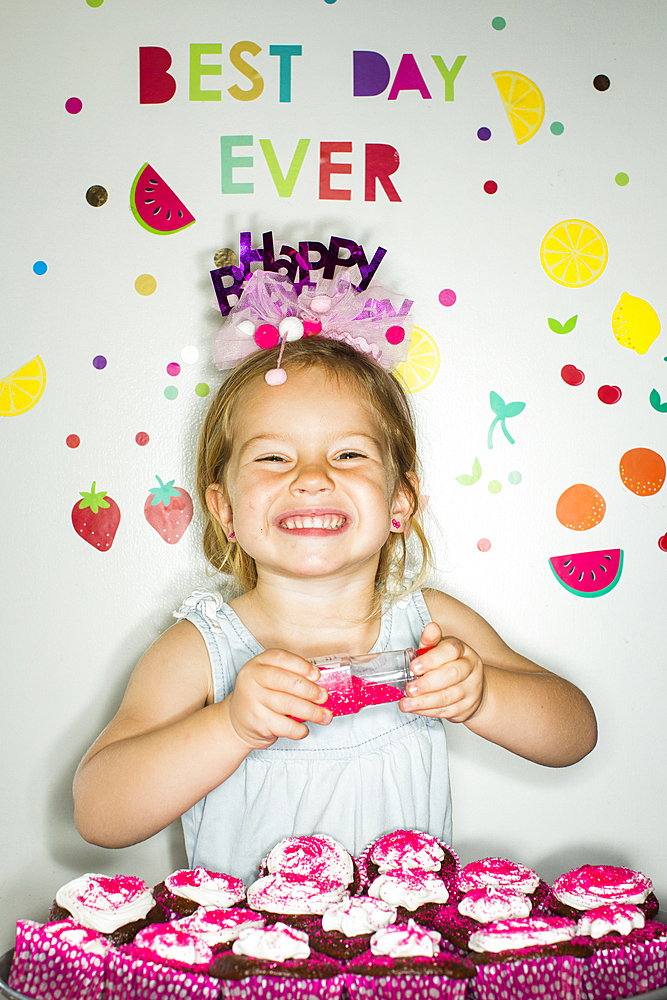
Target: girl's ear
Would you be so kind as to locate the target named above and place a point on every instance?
(402, 507)
(220, 508)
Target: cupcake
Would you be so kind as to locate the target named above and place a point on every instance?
(185, 891)
(318, 857)
(415, 893)
(482, 905)
(630, 954)
(517, 958)
(116, 906)
(58, 960)
(405, 961)
(218, 928)
(276, 962)
(407, 849)
(161, 961)
(294, 900)
(590, 886)
(347, 926)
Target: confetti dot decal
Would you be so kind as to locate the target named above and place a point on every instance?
(145, 284)
(99, 362)
(642, 471)
(490, 187)
(94, 3)
(498, 23)
(73, 105)
(447, 297)
(484, 133)
(557, 128)
(580, 507)
(572, 375)
(72, 440)
(225, 258)
(622, 179)
(484, 545)
(609, 394)
(190, 355)
(96, 195)
(515, 478)
(39, 267)
(171, 392)
(602, 82)
(142, 438)
(662, 543)
(495, 486)
(202, 389)
(173, 368)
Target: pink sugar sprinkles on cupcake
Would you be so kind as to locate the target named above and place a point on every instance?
(497, 872)
(593, 885)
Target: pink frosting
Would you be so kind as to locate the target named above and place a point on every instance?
(497, 872)
(407, 849)
(594, 885)
(167, 942)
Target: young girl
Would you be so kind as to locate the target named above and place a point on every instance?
(310, 489)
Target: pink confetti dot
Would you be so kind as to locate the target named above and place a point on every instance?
(484, 545)
(142, 438)
(266, 336)
(662, 543)
(173, 368)
(395, 334)
(72, 440)
(447, 297)
(490, 187)
(73, 105)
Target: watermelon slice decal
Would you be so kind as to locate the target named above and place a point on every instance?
(588, 574)
(155, 206)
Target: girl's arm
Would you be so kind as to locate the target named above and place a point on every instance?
(169, 744)
(472, 676)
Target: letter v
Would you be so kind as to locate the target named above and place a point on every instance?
(284, 185)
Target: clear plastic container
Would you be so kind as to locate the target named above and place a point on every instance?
(353, 682)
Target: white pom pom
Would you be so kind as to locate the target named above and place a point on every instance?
(246, 327)
(276, 376)
(321, 304)
(291, 327)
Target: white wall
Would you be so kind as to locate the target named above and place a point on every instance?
(76, 619)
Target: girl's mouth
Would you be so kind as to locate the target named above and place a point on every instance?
(324, 523)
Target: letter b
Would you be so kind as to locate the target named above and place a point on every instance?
(156, 86)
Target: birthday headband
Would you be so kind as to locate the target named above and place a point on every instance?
(273, 307)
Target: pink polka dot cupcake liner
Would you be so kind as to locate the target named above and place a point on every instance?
(129, 978)
(552, 977)
(405, 987)
(280, 988)
(626, 970)
(51, 969)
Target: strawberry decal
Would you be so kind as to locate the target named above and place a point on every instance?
(168, 510)
(96, 519)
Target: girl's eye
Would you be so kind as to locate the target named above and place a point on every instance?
(351, 454)
(271, 458)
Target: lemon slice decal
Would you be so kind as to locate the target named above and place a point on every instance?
(422, 363)
(635, 323)
(23, 388)
(574, 253)
(523, 102)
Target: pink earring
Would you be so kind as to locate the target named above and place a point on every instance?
(395, 524)
(231, 537)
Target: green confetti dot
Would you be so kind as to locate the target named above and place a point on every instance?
(498, 23)
(171, 392)
(495, 486)
(621, 179)
(94, 3)
(557, 128)
(515, 478)
(202, 389)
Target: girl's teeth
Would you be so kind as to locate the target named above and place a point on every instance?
(330, 522)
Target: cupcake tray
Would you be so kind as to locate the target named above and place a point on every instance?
(6, 993)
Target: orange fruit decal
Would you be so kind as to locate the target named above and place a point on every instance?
(580, 507)
(642, 471)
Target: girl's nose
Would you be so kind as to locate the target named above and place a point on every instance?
(311, 479)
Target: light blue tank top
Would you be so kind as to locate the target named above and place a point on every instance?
(359, 777)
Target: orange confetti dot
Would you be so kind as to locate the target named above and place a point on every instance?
(642, 471)
(580, 507)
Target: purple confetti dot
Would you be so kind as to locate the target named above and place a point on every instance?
(73, 105)
(173, 368)
(484, 133)
(99, 362)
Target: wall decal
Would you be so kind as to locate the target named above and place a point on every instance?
(523, 103)
(155, 206)
(572, 375)
(145, 284)
(635, 323)
(642, 471)
(21, 390)
(609, 394)
(566, 327)
(422, 363)
(97, 195)
(502, 411)
(471, 480)
(96, 519)
(574, 253)
(580, 507)
(588, 574)
(662, 543)
(168, 509)
(656, 402)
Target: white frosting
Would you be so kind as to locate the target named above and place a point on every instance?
(498, 872)
(83, 938)
(406, 941)
(275, 943)
(358, 915)
(619, 918)
(289, 894)
(407, 849)
(318, 857)
(105, 903)
(488, 904)
(522, 933)
(409, 888)
(206, 888)
(594, 885)
(220, 926)
(169, 943)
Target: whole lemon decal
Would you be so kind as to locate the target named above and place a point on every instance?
(635, 323)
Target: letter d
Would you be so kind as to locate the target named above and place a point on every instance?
(156, 86)
(371, 73)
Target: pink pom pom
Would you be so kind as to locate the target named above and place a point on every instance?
(311, 327)
(321, 304)
(395, 334)
(276, 376)
(266, 336)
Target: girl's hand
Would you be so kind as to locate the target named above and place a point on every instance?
(450, 682)
(272, 692)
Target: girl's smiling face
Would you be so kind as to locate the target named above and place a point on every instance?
(308, 490)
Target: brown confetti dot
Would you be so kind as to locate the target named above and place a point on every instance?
(225, 258)
(96, 195)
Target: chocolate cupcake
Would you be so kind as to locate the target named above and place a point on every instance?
(293, 900)
(317, 857)
(117, 906)
(482, 905)
(407, 849)
(183, 892)
(347, 926)
(590, 886)
(60, 959)
(415, 893)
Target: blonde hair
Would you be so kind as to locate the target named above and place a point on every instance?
(389, 402)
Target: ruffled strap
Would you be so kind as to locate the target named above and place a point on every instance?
(205, 604)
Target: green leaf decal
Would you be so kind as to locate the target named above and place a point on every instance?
(502, 410)
(555, 326)
(471, 480)
(164, 492)
(94, 500)
(656, 402)
(570, 324)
